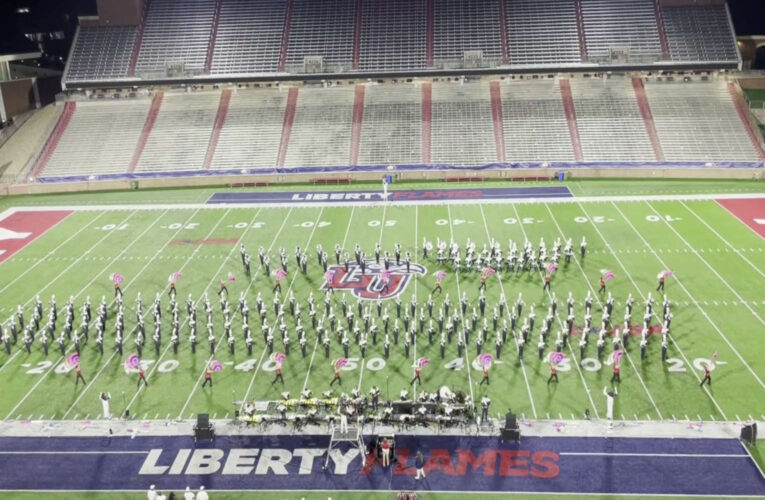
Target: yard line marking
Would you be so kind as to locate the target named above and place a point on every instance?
(507, 312)
(597, 299)
(39, 260)
(416, 254)
(56, 363)
(468, 364)
(148, 310)
(724, 240)
(679, 282)
(310, 237)
(672, 455)
(560, 324)
(316, 344)
(655, 314)
(363, 361)
(81, 257)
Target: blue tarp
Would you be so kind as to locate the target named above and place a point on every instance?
(551, 167)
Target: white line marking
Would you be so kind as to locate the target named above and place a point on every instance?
(597, 299)
(679, 282)
(643, 297)
(560, 324)
(507, 312)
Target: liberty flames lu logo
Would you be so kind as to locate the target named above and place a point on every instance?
(371, 285)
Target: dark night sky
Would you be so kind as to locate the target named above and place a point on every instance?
(61, 15)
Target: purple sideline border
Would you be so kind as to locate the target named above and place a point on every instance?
(545, 166)
(583, 465)
(370, 196)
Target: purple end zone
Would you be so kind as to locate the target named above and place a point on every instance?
(453, 463)
(433, 195)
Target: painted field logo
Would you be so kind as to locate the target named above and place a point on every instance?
(370, 284)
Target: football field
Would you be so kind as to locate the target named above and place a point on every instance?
(716, 292)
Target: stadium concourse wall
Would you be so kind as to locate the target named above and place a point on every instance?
(517, 172)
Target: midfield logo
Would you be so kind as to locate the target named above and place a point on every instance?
(370, 285)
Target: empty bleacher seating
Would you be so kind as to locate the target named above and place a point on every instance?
(100, 139)
(393, 35)
(609, 120)
(101, 53)
(176, 32)
(392, 126)
(181, 133)
(253, 129)
(698, 121)
(322, 29)
(466, 25)
(462, 126)
(321, 132)
(542, 32)
(249, 37)
(699, 33)
(612, 25)
(535, 124)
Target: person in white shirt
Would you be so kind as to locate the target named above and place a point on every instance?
(610, 396)
(105, 397)
(188, 495)
(202, 494)
(152, 493)
(343, 421)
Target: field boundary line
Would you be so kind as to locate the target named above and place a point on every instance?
(695, 302)
(468, 365)
(654, 313)
(560, 325)
(56, 363)
(147, 309)
(724, 240)
(298, 204)
(600, 304)
(515, 338)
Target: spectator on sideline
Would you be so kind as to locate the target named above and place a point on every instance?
(188, 495)
(202, 494)
(419, 463)
(385, 453)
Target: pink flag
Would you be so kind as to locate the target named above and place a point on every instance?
(556, 357)
(423, 362)
(329, 275)
(552, 267)
(713, 358)
(617, 356)
(116, 278)
(607, 275)
(440, 275)
(279, 357)
(280, 273)
(216, 366)
(72, 360)
(231, 277)
(339, 363)
(174, 277)
(484, 359)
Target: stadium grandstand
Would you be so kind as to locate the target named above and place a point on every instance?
(469, 187)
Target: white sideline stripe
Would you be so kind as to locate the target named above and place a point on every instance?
(64, 452)
(316, 344)
(703, 312)
(218, 206)
(148, 309)
(560, 324)
(643, 297)
(667, 455)
(507, 312)
(600, 304)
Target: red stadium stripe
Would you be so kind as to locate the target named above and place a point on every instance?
(21, 228)
(750, 212)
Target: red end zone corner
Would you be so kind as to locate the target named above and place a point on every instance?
(750, 211)
(19, 229)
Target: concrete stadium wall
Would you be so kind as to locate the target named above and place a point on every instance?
(424, 175)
